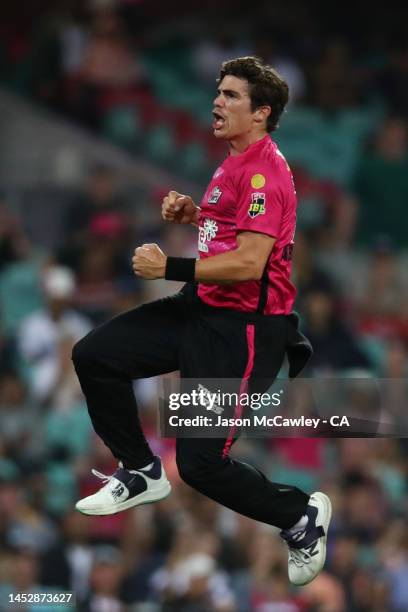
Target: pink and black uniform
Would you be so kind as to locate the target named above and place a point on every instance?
(253, 192)
(238, 333)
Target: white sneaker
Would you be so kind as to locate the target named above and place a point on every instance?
(307, 547)
(125, 489)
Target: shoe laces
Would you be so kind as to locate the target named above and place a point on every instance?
(104, 477)
(300, 557)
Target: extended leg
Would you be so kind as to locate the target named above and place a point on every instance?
(238, 485)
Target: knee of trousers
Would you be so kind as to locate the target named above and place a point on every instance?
(196, 469)
(84, 354)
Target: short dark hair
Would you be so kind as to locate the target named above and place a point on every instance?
(266, 86)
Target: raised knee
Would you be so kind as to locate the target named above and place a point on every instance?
(83, 354)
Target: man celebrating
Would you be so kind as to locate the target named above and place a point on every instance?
(231, 320)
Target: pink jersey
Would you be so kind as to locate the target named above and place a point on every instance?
(253, 192)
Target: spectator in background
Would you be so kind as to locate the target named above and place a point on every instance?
(98, 204)
(306, 272)
(23, 526)
(109, 59)
(67, 565)
(381, 185)
(209, 54)
(97, 291)
(365, 504)
(190, 579)
(334, 80)
(100, 238)
(46, 339)
(20, 266)
(275, 594)
(393, 79)
(326, 594)
(104, 279)
(105, 581)
(334, 344)
(326, 211)
(109, 64)
(392, 549)
(394, 372)
(23, 578)
(19, 424)
(383, 296)
(344, 560)
(266, 48)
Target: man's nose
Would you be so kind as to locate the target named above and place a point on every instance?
(218, 101)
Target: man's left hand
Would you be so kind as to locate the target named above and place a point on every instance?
(149, 262)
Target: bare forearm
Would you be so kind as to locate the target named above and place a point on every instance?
(246, 262)
(226, 268)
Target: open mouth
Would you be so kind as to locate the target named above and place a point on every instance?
(218, 122)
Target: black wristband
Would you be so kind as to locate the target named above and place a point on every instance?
(180, 269)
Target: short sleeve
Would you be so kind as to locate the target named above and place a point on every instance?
(259, 201)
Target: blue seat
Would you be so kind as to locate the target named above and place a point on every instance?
(159, 143)
(123, 126)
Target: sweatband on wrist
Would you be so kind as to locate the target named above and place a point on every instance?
(180, 269)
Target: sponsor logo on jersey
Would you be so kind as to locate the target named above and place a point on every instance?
(257, 206)
(214, 195)
(206, 233)
(258, 181)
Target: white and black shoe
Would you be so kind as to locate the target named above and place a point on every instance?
(307, 547)
(125, 489)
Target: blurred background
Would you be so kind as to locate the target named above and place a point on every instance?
(105, 106)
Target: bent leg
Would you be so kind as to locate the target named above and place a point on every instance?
(233, 349)
(238, 485)
(137, 344)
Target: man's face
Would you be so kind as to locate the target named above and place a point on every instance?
(232, 109)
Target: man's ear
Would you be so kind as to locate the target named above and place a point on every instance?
(262, 113)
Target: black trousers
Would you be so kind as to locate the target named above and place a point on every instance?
(181, 333)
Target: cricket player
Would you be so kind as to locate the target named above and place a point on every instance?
(233, 319)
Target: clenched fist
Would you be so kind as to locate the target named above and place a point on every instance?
(179, 208)
(149, 262)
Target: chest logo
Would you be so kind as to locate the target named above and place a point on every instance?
(214, 195)
(258, 181)
(257, 206)
(206, 233)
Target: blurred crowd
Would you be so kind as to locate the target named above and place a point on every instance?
(188, 554)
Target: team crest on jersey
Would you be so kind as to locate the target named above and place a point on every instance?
(214, 195)
(206, 233)
(257, 206)
(258, 181)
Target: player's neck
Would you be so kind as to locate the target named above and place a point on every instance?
(240, 144)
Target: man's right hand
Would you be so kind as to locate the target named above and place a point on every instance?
(179, 208)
